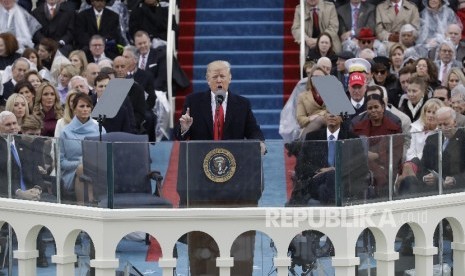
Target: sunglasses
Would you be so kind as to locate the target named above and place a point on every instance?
(366, 41)
(382, 72)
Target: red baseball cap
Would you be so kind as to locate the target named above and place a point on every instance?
(357, 78)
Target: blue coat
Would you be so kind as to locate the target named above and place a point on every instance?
(71, 149)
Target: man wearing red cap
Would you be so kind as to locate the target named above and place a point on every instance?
(357, 90)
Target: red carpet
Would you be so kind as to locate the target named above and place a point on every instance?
(171, 178)
(291, 76)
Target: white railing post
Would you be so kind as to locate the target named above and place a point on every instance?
(424, 260)
(345, 266)
(282, 265)
(167, 265)
(386, 263)
(65, 264)
(225, 265)
(26, 261)
(459, 257)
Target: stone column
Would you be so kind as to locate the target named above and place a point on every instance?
(65, 264)
(26, 262)
(385, 263)
(345, 266)
(225, 265)
(167, 265)
(424, 260)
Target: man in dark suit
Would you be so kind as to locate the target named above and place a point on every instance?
(154, 61)
(99, 20)
(9, 125)
(453, 154)
(200, 111)
(144, 79)
(18, 70)
(136, 94)
(57, 20)
(124, 119)
(353, 16)
(316, 165)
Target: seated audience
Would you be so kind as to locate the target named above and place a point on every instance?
(18, 71)
(353, 16)
(446, 60)
(67, 72)
(19, 189)
(453, 78)
(416, 98)
(8, 47)
(427, 69)
(33, 78)
(396, 57)
(316, 165)
(79, 60)
(17, 21)
(124, 120)
(323, 48)
(99, 20)
(81, 126)
(457, 101)
(48, 107)
(17, 104)
(426, 179)
(151, 17)
(391, 16)
(47, 50)
(68, 113)
(420, 130)
(310, 106)
(434, 18)
(378, 154)
(326, 17)
(365, 39)
(28, 91)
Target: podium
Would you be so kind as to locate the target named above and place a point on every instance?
(220, 173)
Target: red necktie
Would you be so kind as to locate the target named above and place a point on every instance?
(218, 124)
(396, 8)
(316, 26)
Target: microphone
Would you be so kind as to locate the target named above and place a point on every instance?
(219, 97)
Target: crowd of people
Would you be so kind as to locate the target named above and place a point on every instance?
(401, 65)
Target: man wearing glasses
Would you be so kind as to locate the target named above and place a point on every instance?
(446, 54)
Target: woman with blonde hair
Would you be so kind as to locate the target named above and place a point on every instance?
(48, 107)
(79, 60)
(17, 104)
(420, 130)
(454, 77)
(68, 113)
(310, 106)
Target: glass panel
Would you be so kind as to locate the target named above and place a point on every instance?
(36, 179)
(418, 175)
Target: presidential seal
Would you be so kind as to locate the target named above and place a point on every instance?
(219, 165)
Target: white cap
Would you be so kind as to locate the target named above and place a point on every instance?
(357, 65)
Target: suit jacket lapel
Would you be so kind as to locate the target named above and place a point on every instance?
(206, 110)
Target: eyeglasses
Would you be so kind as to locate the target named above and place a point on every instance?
(366, 41)
(382, 72)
